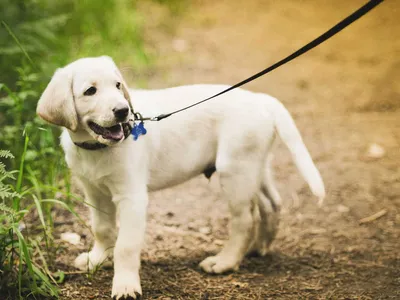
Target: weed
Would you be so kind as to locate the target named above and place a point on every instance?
(21, 275)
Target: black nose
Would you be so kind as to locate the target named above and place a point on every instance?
(121, 113)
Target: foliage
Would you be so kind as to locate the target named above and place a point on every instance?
(115, 31)
(21, 275)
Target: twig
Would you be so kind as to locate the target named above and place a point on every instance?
(187, 232)
(75, 272)
(373, 217)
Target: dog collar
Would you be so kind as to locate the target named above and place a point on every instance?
(90, 146)
(127, 127)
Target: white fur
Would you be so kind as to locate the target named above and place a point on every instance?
(233, 132)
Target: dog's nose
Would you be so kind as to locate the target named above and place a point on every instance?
(121, 113)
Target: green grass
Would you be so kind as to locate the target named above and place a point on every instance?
(21, 274)
(27, 260)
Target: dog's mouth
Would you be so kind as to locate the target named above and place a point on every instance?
(113, 133)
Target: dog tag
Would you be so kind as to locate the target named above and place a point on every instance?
(138, 130)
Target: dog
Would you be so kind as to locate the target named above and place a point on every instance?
(232, 134)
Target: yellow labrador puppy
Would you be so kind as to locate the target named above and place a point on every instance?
(232, 134)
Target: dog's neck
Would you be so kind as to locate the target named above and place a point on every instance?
(82, 139)
(81, 136)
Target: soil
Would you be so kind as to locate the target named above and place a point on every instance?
(344, 96)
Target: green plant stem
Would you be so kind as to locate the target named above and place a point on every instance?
(10, 32)
(16, 201)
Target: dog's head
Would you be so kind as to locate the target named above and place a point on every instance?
(88, 95)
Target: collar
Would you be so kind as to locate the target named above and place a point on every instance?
(127, 127)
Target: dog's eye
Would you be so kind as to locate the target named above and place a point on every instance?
(118, 85)
(90, 91)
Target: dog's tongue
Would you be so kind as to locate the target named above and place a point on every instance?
(114, 133)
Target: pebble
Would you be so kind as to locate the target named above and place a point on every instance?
(375, 151)
(71, 237)
(342, 208)
(205, 230)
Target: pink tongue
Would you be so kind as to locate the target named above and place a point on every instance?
(115, 133)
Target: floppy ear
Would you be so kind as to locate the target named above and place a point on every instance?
(56, 105)
(125, 89)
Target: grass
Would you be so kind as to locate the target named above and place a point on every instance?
(25, 257)
(21, 274)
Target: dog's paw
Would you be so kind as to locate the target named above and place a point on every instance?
(218, 264)
(137, 296)
(260, 248)
(83, 262)
(126, 285)
(88, 261)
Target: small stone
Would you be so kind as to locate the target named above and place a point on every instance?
(342, 208)
(375, 151)
(240, 284)
(205, 230)
(21, 226)
(317, 231)
(71, 237)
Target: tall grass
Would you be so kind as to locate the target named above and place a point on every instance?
(21, 275)
(27, 248)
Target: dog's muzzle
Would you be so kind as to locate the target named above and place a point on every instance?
(115, 133)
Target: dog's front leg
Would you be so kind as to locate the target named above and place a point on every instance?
(132, 218)
(103, 227)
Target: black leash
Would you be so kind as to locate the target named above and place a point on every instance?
(322, 38)
(136, 130)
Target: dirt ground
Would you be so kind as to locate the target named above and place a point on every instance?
(344, 96)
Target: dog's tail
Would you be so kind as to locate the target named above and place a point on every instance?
(290, 135)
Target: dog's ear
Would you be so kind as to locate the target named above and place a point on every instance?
(56, 105)
(124, 87)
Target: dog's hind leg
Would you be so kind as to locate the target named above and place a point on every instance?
(240, 179)
(266, 213)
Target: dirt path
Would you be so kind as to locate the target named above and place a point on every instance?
(344, 96)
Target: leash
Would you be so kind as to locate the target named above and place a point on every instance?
(314, 43)
(131, 127)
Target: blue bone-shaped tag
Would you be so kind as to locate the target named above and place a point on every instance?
(138, 130)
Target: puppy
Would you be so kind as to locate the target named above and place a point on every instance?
(231, 134)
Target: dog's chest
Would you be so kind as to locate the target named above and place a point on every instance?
(92, 165)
